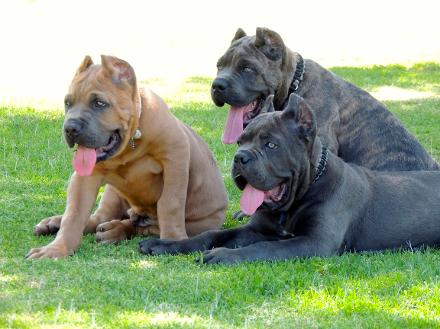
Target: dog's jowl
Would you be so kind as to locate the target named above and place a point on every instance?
(160, 176)
(305, 201)
(352, 123)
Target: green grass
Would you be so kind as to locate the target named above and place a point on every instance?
(107, 286)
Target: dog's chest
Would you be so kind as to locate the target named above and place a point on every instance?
(140, 182)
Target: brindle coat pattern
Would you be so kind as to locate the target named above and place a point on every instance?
(349, 208)
(352, 123)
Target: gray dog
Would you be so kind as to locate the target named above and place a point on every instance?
(352, 123)
(309, 202)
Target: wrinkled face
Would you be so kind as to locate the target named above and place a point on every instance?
(245, 77)
(251, 69)
(274, 156)
(99, 108)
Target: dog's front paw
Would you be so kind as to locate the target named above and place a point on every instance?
(221, 256)
(159, 247)
(52, 250)
(49, 225)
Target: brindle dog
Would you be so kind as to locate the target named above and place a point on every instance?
(351, 123)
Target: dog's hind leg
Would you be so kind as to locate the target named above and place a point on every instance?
(49, 225)
(117, 230)
(212, 222)
(112, 206)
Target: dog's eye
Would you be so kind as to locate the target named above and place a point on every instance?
(247, 69)
(99, 104)
(271, 145)
(67, 104)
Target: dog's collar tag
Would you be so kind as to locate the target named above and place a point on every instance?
(137, 135)
(321, 165)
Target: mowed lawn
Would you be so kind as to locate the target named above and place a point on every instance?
(113, 286)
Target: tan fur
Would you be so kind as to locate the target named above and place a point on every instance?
(170, 176)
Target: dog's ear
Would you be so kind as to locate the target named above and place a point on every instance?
(267, 106)
(269, 43)
(292, 108)
(298, 110)
(118, 69)
(239, 34)
(87, 61)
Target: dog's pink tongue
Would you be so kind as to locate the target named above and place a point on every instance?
(84, 161)
(234, 125)
(251, 199)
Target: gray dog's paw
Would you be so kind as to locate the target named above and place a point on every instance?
(157, 247)
(221, 256)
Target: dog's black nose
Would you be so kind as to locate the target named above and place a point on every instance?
(220, 84)
(72, 128)
(243, 157)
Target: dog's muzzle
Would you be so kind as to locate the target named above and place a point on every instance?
(72, 130)
(243, 157)
(218, 89)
